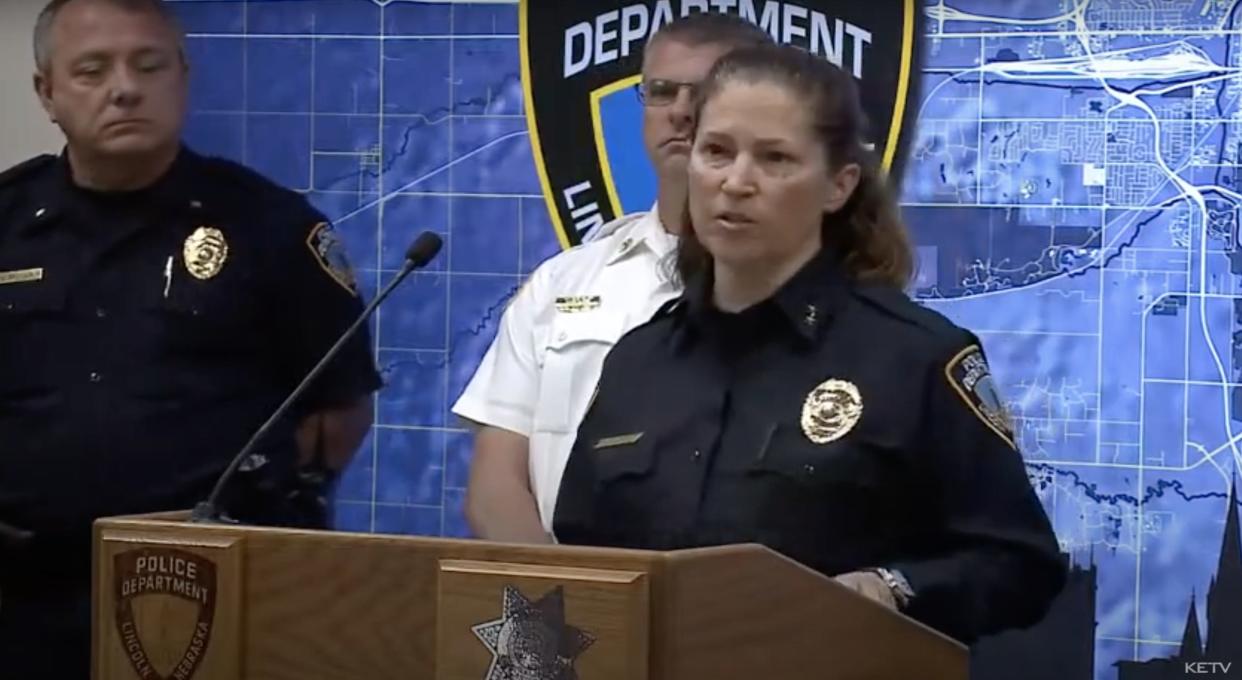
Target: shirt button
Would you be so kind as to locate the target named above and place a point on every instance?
(809, 469)
(562, 337)
(100, 312)
(95, 377)
(696, 454)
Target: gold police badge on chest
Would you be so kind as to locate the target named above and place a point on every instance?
(831, 410)
(205, 253)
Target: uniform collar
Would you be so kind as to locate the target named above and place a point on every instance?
(49, 197)
(173, 191)
(811, 298)
(648, 234)
(803, 307)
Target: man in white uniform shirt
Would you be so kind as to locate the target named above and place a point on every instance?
(532, 388)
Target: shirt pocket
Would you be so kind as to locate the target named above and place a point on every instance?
(223, 309)
(576, 346)
(625, 482)
(28, 312)
(854, 461)
(617, 458)
(25, 301)
(607, 489)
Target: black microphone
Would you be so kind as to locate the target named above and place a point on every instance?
(418, 255)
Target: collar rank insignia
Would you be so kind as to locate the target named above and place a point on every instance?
(971, 378)
(831, 410)
(577, 303)
(531, 641)
(205, 252)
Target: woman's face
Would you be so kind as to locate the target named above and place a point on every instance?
(760, 181)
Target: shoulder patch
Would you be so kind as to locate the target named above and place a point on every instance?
(237, 183)
(329, 252)
(25, 169)
(241, 174)
(971, 378)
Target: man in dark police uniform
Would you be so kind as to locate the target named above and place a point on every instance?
(156, 306)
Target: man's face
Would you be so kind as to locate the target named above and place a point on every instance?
(668, 114)
(115, 82)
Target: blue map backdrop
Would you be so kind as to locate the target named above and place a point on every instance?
(1072, 191)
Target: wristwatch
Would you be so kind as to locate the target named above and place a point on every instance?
(897, 583)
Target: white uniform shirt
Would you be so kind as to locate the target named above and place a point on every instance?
(538, 375)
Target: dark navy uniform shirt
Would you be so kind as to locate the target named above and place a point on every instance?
(840, 424)
(145, 336)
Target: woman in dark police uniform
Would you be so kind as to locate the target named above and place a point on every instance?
(794, 396)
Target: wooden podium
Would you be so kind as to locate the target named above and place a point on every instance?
(199, 602)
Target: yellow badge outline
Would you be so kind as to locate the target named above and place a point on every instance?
(818, 408)
(205, 252)
(1006, 419)
(347, 280)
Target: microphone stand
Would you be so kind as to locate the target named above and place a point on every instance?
(419, 254)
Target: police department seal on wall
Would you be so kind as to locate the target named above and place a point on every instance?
(531, 640)
(579, 56)
(151, 573)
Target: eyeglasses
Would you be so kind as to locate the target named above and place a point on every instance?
(660, 92)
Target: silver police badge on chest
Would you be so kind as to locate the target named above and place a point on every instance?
(205, 252)
(831, 410)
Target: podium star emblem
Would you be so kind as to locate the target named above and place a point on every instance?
(530, 640)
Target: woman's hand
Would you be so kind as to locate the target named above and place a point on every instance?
(869, 585)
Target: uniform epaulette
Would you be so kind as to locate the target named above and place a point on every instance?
(897, 304)
(25, 169)
(247, 177)
(611, 227)
(280, 199)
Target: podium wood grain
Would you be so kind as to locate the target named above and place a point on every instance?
(300, 605)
